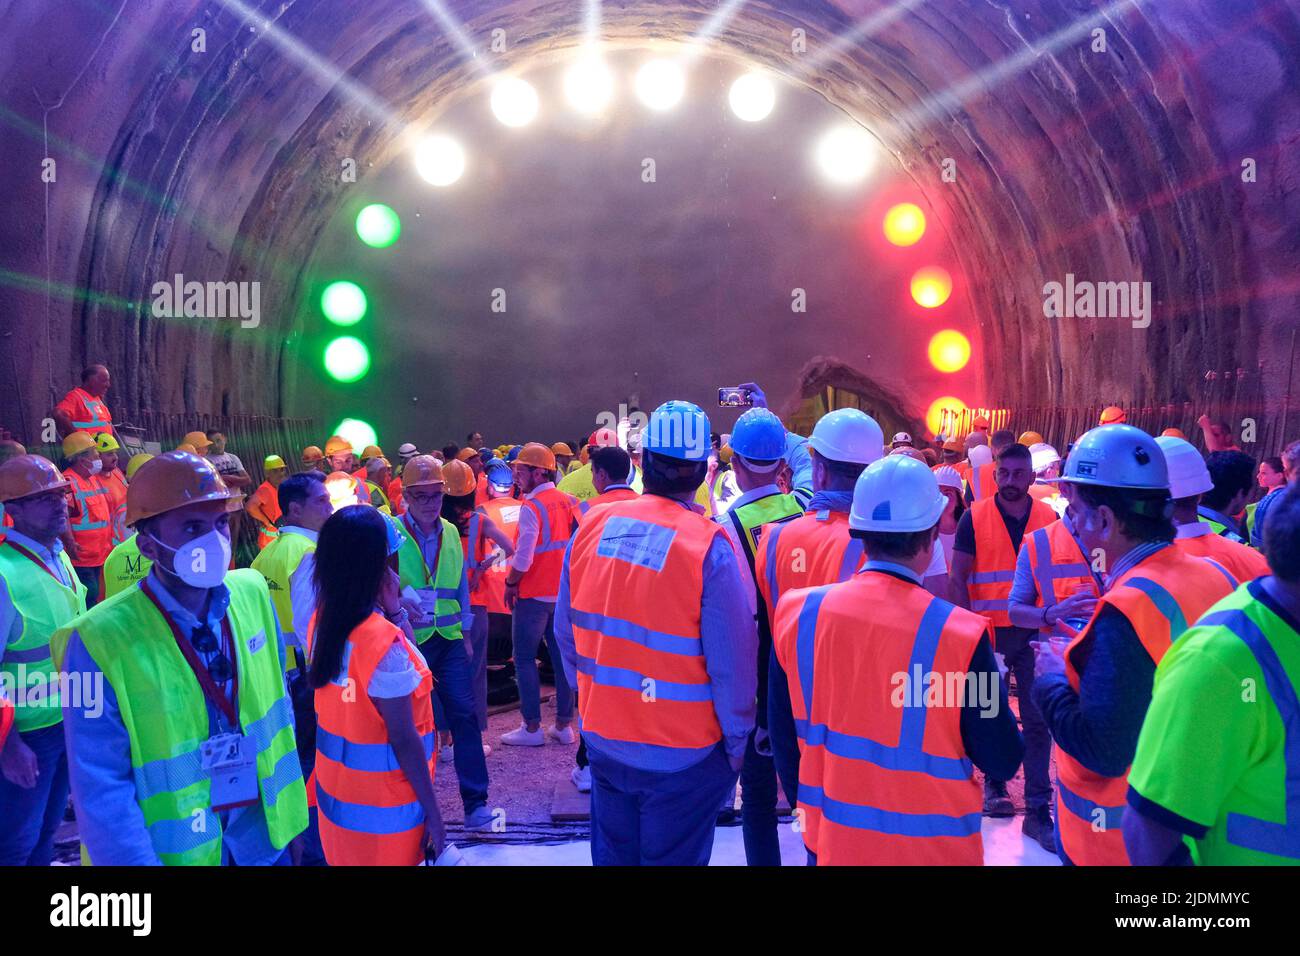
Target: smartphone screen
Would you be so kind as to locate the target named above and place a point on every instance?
(735, 397)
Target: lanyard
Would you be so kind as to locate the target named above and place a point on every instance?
(36, 561)
(429, 579)
(210, 690)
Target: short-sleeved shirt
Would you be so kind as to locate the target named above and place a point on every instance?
(1211, 744)
(226, 463)
(88, 413)
(965, 540)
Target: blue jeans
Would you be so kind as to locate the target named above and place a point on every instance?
(449, 662)
(645, 818)
(532, 620)
(1013, 644)
(758, 809)
(28, 818)
(478, 657)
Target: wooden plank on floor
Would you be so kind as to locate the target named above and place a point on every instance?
(567, 804)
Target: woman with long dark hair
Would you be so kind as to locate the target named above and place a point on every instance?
(375, 730)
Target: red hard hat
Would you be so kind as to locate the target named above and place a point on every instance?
(603, 438)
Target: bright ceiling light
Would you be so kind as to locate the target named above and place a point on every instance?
(941, 416)
(514, 101)
(347, 359)
(439, 160)
(949, 351)
(752, 97)
(904, 224)
(589, 85)
(846, 154)
(660, 84)
(931, 286)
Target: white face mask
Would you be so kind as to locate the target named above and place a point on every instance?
(97, 466)
(202, 563)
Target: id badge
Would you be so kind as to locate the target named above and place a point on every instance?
(231, 767)
(429, 602)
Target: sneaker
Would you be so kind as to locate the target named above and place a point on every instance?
(581, 777)
(996, 801)
(1038, 826)
(564, 735)
(487, 750)
(521, 736)
(480, 818)
(446, 753)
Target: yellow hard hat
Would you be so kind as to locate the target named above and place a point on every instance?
(273, 461)
(187, 448)
(312, 453)
(25, 475)
(197, 440)
(77, 443)
(337, 446)
(372, 451)
(173, 480)
(1113, 415)
(1030, 438)
(134, 464)
(537, 455)
(422, 470)
(561, 448)
(459, 478)
(106, 442)
(724, 454)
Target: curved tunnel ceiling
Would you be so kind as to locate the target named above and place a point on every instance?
(1113, 166)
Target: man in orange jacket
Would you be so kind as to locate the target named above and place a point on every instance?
(92, 524)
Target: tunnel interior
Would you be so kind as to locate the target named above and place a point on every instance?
(1047, 142)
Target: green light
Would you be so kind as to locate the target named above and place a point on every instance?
(344, 303)
(347, 359)
(356, 432)
(378, 226)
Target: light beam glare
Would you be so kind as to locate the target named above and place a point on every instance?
(455, 31)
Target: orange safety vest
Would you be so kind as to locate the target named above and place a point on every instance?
(269, 498)
(994, 568)
(481, 496)
(474, 538)
(636, 573)
(115, 482)
(554, 511)
(6, 718)
(982, 484)
(92, 526)
(395, 496)
(369, 813)
(88, 413)
(491, 590)
(582, 505)
(884, 778)
(1059, 566)
(810, 551)
(1161, 596)
(1242, 561)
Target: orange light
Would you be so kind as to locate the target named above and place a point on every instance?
(931, 287)
(949, 351)
(904, 224)
(935, 418)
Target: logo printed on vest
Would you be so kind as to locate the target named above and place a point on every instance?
(636, 542)
(256, 642)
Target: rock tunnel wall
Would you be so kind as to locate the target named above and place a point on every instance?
(1114, 166)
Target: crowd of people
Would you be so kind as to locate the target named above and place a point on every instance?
(837, 617)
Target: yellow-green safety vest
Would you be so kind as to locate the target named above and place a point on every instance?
(124, 566)
(166, 717)
(43, 605)
(751, 516)
(277, 562)
(413, 571)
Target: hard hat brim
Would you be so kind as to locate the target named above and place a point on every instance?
(63, 485)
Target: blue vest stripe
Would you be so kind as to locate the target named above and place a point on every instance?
(1164, 602)
(366, 819)
(371, 758)
(912, 732)
(631, 680)
(805, 643)
(862, 817)
(1086, 810)
(626, 630)
(853, 747)
(852, 559)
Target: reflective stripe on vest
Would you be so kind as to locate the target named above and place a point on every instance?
(1057, 563)
(445, 588)
(96, 418)
(826, 554)
(749, 518)
(553, 510)
(994, 567)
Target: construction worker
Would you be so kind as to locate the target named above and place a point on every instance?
(901, 440)
(1189, 480)
(611, 468)
(951, 454)
(656, 632)
(951, 487)
(578, 482)
(111, 474)
(1291, 472)
(431, 562)
(190, 757)
(228, 465)
(796, 452)
(83, 409)
(1216, 766)
(563, 455)
(92, 523)
(405, 452)
(1046, 462)
(368, 454)
(8, 449)
(982, 482)
(881, 784)
(816, 548)
(483, 544)
(378, 475)
(545, 526)
(125, 565)
(200, 442)
(1029, 439)
(39, 593)
(1233, 474)
(313, 459)
(1093, 693)
(338, 455)
(983, 569)
(1113, 415)
(263, 505)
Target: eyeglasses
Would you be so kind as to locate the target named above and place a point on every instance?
(205, 642)
(422, 499)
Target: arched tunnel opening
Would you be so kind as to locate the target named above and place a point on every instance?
(421, 224)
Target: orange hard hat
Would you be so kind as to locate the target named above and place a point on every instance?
(465, 454)
(954, 444)
(536, 455)
(372, 451)
(337, 446)
(77, 443)
(562, 448)
(1173, 433)
(980, 421)
(1030, 438)
(197, 439)
(345, 490)
(173, 480)
(187, 448)
(1113, 415)
(312, 453)
(25, 475)
(603, 438)
(423, 470)
(459, 478)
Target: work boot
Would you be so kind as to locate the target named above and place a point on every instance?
(1038, 826)
(521, 736)
(996, 801)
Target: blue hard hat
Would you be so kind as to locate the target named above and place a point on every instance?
(678, 430)
(513, 453)
(498, 472)
(758, 435)
(1117, 456)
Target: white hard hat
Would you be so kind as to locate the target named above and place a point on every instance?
(408, 450)
(947, 477)
(897, 494)
(901, 438)
(979, 455)
(1188, 474)
(848, 434)
(1043, 455)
